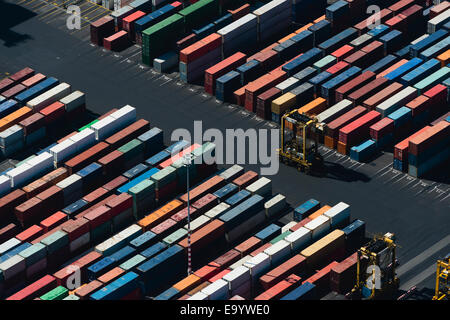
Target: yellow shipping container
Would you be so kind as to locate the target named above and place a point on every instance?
(323, 249)
(283, 103)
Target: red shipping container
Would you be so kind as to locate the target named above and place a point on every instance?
(186, 41)
(82, 263)
(87, 157)
(115, 183)
(332, 129)
(219, 275)
(96, 195)
(53, 221)
(209, 186)
(374, 50)
(18, 88)
(295, 265)
(281, 288)
(52, 198)
(437, 95)
(101, 28)
(428, 138)
(300, 224)
(358, 96)
(264, 103)
(321, 279)
(260, 249)
(439, 8)
(112, 163)
(30, 234)
(243, 181)
(55, 111)
(200, 48)
(22, 75)
(268, 59)
(117, 42)
(239, 96)
(207, 272)
(383, 95)
(240, 12)
(255, 88)
(164, 227)
(203, 237)
(400, 6)
(339, 67)
(248, 246)
(32, 123)
(221, 68)
(76, 228)
(128, 22)
(343, 52)
(86, 290)
(6, 84)
(358, 130)
(343, 275)
(382, 128)
(354, 84)
(29, 211)
(33, 80)
(36, 289)
(8, 232)
(119, 204)
(129, 133)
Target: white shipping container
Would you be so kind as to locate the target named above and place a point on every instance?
(8, 245)
(299, 239)
(132, 231)
(5, 185)
(84, 139)
(240, 262)
(217, 210)
(80, 242)
(237, 277)
(271, 9)
(420, 39)
(438, 21)
(335, 111)
(105, 127)
(20, 175)
(319, 226)
(262, 187)
(338, 214)
(72, 187)
(11, 135)
(361, 41)
(165, 62)
(63, 150)
(275, 205)
(198, 223)
(50, 96)
(288, 226)
(74, 100)
(125, 115)
(12, 266)
(232, 172)
(198, 296)
(240, 26)
(258, 265)
(218, 290)
(287, 85)
(396, 101)
(278, 252)
(41, 163)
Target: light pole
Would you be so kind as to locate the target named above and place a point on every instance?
(187, 160)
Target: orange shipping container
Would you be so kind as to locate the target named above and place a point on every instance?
(187, 284)
(221, 68)
(160, 214)
(260, 85)
(15, 118)
(314, 107)
(319, 212)
(239, 96)
(444, 58)
(200, 48)
(206, 187)
(392, 68)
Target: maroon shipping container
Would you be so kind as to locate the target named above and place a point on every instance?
(248, 246)
(429, 138)
(383, 15)
(332, 129)
(98, 216)
(52, 199)
(354, 84)
(21, 75)
(264, 103)
(300, 224)
(129, 133)
(228, 258)
(358, 96)
(246, 179)
(358, 130)
(183, 213)
(260, 249)
(382, 128)
(205, 203)
(185, 42)
(383, 95)
(117, 42)
(96, 195)
(8, 232)
(82, 263)
(164, 228)
(374, 50)
(6, 84)
(221, 68)
(115, 183)
(18, 88)
(101, 28)
(30, 211)
(32, 123)
(321, 279)
(401, 5)
(76, 228)
(343, 275)
(9, 202)
(86, 157)
(33, 80)
(112, 163)
(268, 59)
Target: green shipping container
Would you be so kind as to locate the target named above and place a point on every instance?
(88, 125)
(56, 241)
(58, 293)
(280, 237)
(72, 297)
(195, 14)
(175, 236)
(432, 80)
(132, 262)
(164, 177)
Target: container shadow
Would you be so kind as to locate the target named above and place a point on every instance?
(12, 15)
(440, 174)
(339, 172)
